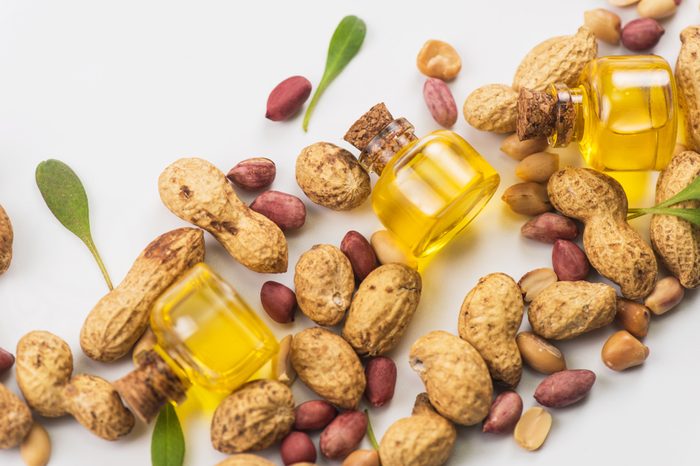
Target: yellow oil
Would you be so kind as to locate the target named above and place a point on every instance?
(208, 334)
(431, 190)
(630, 113)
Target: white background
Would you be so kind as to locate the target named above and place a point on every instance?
(118, 90)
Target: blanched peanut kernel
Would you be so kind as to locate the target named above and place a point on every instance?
(633, 317)
(623, 351)
(438, 59)
(539, 354)
(667, 293)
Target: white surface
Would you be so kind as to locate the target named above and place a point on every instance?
(120, 89)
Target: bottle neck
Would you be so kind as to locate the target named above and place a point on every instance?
(568, 115)
(398, 134)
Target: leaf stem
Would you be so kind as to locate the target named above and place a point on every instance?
(370, 433)
(93, 249)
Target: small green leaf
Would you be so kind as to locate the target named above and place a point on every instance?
(345, 43)
(690, 215)
(65, 196)
(168, 442)
(370, 433)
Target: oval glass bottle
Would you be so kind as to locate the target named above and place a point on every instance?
(206, 336)
(429, 189)
(623, 113)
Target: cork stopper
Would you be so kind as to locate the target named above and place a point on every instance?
(150, 386)
(368, 126)
(537, 111)
(379, 136)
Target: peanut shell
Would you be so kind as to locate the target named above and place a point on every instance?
(489, 319)
(257, 415)
(612, 246)
(556, 60)
(677, 241)
(330, 176)
(324, 283)
(688, 80)
(198, 192)
(96, 405)
(119, 319)
(328, 365)
(245, 459)
(423, 439)
(565, 310)
(492, 108)
(456, 377)
(382, 309)
(44, 365)
(6, 238)
(15, 419)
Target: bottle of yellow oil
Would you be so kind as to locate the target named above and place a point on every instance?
(207, 336)
(429, 189)
(623, 114)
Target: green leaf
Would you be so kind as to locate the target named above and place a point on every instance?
(65, 196)
(689, 193)
(690, 215)
(168, 442)
(345, 43)
(370, 433)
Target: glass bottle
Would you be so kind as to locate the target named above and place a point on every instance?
(206, 336)
(623, 113)
(429, 189)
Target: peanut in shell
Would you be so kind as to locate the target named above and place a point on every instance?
(382, 309)
(489, 319)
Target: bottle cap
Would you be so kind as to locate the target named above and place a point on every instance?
(150, 386)
(537, 112)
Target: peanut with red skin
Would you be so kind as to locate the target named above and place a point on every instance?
(641, 34)
(254, 173)
(279, 301)
(440, 102)
(7, 359)
(297, 447)
(287, 98)
(287, 211)
(343, 434)
(314, 415)
(564, 388)
(360, 252)
(381, 380)
(549, 227)
(504, 413)
(569, 261)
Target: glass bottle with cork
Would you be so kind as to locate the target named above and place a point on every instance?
(429, 188)
(207, 336)
(623, 114)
